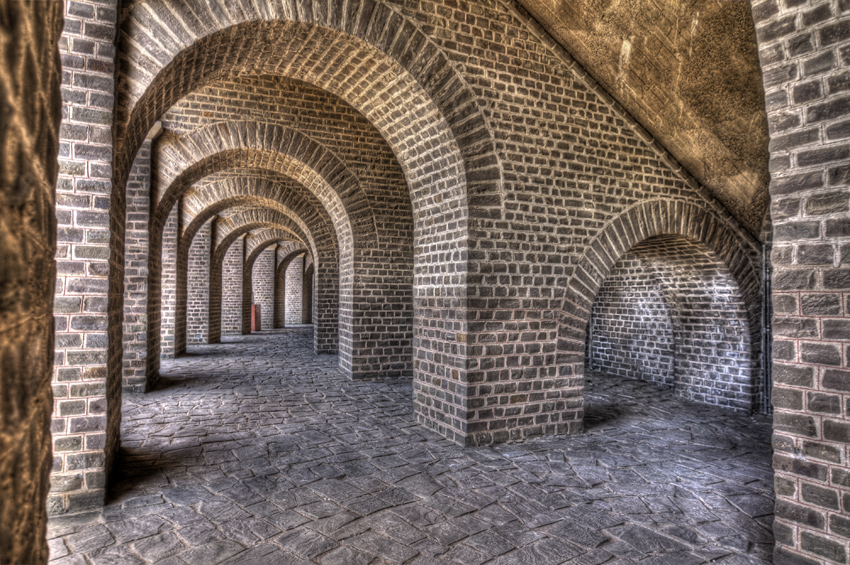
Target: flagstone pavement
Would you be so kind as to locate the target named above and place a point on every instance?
(258, 451)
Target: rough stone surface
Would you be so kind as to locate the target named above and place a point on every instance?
(662, 62)
(282, 459)
(29, 136)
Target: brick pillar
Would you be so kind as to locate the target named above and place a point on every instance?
(168, 297)
(29, 91)
(805, 56)
(87, 377)
(294, 287)
(197, 316)
(231, 289)
(262, 280)
(136, 247)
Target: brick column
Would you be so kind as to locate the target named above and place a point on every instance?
(307, 296)
(168, 297)
(294, 283)
(231, 289)
(136, 247)
(805, 57)
(89, 263)
(198, 302)
(263, 282)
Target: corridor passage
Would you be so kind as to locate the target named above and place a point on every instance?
(258, 451)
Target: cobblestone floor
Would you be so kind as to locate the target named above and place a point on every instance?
(257, 451)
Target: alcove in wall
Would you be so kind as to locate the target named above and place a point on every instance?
(670, 312)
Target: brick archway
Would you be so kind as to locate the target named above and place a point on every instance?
(635, 225)
(273, 232)
(444, 144)
(280, 283)
(259, 243)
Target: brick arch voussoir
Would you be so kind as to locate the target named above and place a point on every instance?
(172, 70)
(314, 235)
(638, 223)
(284, 263)
(253, 186)
(262, 241)
(223, 146)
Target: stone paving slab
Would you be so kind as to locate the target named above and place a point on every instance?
(258, 451)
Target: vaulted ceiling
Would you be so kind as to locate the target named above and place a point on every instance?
(688, 71)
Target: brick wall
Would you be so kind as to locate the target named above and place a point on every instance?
(90, 263)
(198, 315)
(285, 254)
(168, 286)
(136, 246)
(294, 288)
(231, 290)
(805, 58)
(263, 285)
(29, 133)
(671, 312)
(631, 328)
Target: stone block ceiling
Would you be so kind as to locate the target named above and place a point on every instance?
(688, 71)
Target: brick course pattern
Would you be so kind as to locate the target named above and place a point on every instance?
(285, 254)
(90, 262)
(526, 183)
(445, 142)
(478, 351)
(805, 58)
(294, 287)
(136, 247)
(694, 336)
(231, 290)
(198, 315)
(29, 134)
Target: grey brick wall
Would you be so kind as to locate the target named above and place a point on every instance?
(231, 290)
(136, 245)
(263, 281)
(90, 263)
(526, 184)
(285, 255)
(805, 58)
(294, 287)
(198, 315)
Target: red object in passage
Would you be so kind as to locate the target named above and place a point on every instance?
(256, 324)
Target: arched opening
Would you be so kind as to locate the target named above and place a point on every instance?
(670, 312)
